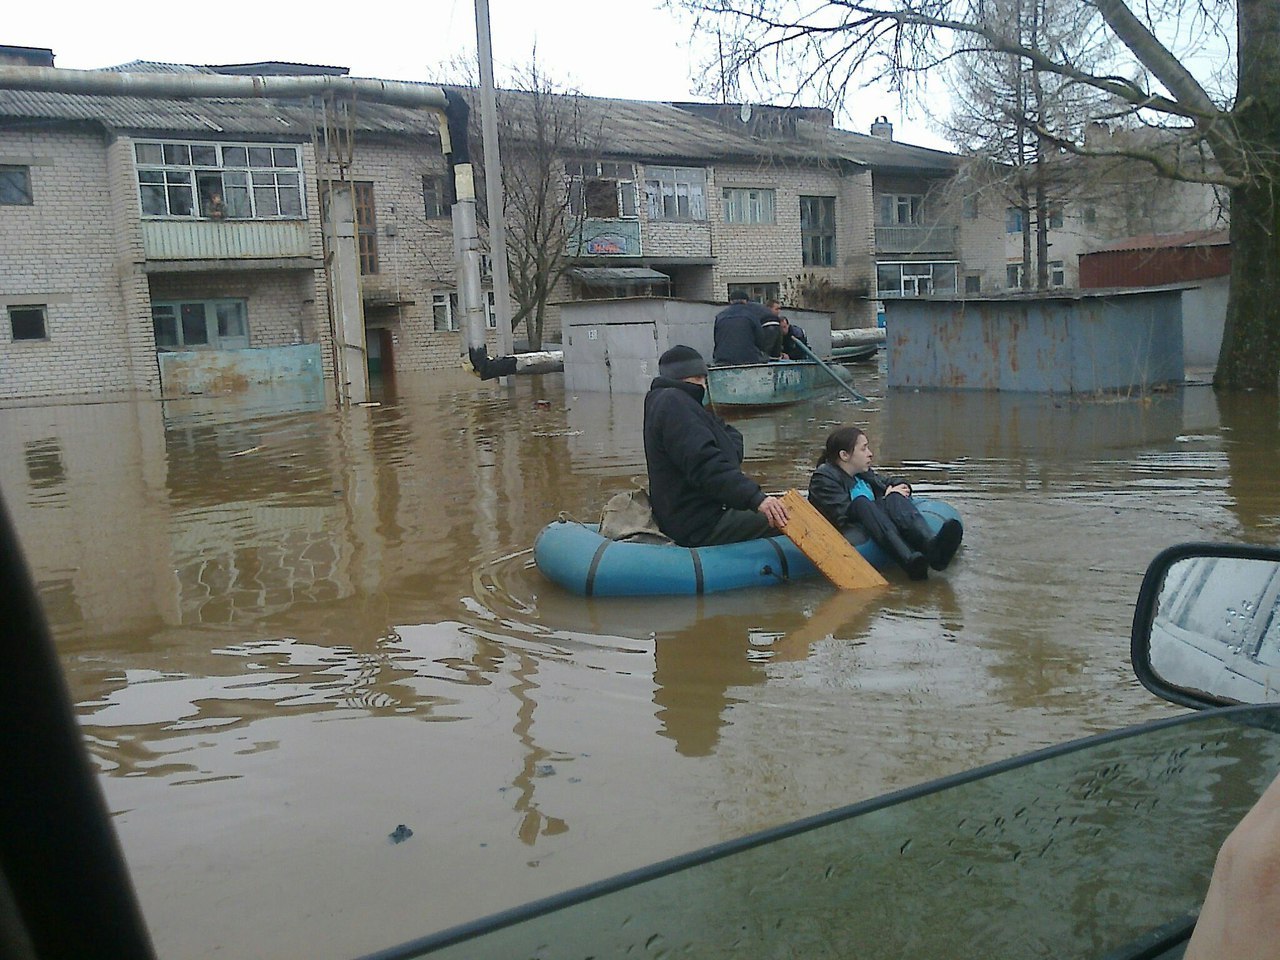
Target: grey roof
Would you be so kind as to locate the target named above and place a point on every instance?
(619, 276)
(1167, 241)
(883, 154)
(279, 68)
(656, 130)
(155, 66)
(631, 129)
(284, 119)
(810, 131)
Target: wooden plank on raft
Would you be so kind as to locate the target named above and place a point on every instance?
(826, 547)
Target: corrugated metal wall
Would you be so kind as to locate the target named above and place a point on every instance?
(241, 239)
(1153, 268)
(1122, 341)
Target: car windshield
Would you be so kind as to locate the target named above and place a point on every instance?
(1081, 852)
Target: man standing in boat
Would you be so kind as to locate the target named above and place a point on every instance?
(700, 495)
(745, 332)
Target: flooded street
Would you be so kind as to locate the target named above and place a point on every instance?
(289, 630)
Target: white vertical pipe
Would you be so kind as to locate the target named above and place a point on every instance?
(493, 181)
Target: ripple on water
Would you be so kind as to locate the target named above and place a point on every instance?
(326, 623)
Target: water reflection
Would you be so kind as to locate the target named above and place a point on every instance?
(1251, 425)
(289, 623)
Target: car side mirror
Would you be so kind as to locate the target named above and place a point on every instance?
(1206, 630)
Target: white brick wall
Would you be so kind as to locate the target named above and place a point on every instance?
(61, 252)
(78, 249)
(772, 253)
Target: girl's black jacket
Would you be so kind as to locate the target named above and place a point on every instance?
(829, 489)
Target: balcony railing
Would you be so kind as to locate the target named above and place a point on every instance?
(607, 238)
(225, 240)
(938, 238)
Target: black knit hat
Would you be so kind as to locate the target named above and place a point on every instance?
(680, 362)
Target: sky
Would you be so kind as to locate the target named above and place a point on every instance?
(630, 49)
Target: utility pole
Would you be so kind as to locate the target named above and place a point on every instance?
(493, 182)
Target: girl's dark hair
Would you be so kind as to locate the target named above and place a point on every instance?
(841, 438)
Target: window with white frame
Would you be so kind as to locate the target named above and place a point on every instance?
(220, 181)
(1013, 275)
(1013, 219)
(221, 324)
(910, 278)
(676, 193)
(818, 231)
(444, 312)
(15, 186)
(1057, 273)
(750, 205)
(28, 321)
(602, 190)
(901, 209)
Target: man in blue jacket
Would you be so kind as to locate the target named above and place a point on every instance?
(745, 332)
(700, 495)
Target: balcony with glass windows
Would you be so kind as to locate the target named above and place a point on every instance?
(207, 202)
(916, 238)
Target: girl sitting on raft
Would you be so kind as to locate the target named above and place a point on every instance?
(848, 492)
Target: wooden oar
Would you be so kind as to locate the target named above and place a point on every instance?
(844, 384)
(823, 544)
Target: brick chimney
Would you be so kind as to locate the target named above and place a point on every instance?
(882, 128)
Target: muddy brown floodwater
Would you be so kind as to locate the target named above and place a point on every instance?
(289, 630)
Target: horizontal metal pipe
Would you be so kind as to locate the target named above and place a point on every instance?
(540, 361)
(195, 85)
(490, 368)
(857, 336)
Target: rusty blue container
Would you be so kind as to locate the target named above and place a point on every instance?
(1072, 343)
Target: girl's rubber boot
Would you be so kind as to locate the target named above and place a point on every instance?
(939, 547)
(913, 561)
(885, 532)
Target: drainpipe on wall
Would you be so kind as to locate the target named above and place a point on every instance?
(197, 85)
(466, 233)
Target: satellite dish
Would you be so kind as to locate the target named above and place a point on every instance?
(744, 113)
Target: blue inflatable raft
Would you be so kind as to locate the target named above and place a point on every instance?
(575, 556)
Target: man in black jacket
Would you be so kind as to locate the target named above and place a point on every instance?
(745, 332)
(700, 495)
(791, 334)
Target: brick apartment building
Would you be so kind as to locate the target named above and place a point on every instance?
(132, 227)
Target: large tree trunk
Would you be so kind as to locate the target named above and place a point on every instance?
(1250, 356)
